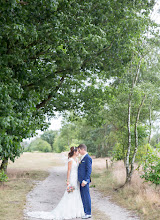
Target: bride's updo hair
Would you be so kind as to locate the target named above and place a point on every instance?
(72, 150)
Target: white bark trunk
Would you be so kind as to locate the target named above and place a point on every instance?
(128, 177)
(150, 122)
(136, 136)
(129, 137)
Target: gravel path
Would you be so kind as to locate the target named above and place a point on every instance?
(46, 195)
(113, 211)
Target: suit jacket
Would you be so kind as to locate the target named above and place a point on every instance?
(85, 169)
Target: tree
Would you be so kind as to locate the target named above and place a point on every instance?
(66, 137)
(155, 140)
(39, 145)
(50, 48)
(49, 136)
(134, 103)
(140, 90)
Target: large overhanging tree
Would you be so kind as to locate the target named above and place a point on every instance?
(50, 48)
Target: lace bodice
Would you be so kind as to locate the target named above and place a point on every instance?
(74, 173)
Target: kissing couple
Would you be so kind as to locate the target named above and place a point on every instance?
(76, 201)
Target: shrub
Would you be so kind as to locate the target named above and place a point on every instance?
(3, 176)
(118, 152)
(39, 145)
(151, 167)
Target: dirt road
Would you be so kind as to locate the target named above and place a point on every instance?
(46, 195)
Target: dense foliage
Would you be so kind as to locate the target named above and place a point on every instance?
(49, 136)
(151, 167)
(39, 145)
(49, 49)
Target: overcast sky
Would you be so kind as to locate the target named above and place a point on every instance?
(55, 123)
(155, 15)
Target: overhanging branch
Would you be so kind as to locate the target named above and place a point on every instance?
(45, 101)
(42, 79)
(96, 54)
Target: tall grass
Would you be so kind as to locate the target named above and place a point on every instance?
(138, 196)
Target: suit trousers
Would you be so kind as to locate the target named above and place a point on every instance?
(86, 198)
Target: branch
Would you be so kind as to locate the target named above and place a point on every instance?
(47, 77)
(23, 3)
(44, 102)
(137, 73)
(150, 122)
(61, 71)
(97, 54)
(38, 54)
(104, 49)
(31, 44)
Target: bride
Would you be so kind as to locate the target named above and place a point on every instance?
(70, 206)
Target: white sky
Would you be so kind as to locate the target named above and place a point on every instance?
(155, 15)
(55, 123)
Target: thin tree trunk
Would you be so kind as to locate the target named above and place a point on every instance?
(150, 123)
(150, 128)
(102, 148)
(129, 138)
(98, 151)
(136, 136)
(128, 177)
(4, 164)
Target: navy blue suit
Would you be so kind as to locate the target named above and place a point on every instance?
(84, 172)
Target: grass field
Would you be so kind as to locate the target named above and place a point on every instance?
(28, 169)
(32, 167)
(139, 196)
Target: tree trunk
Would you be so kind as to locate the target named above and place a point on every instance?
(102, 150)
(150, 128)
(136, 136)
(129, 138)
(150, 123)
(4, 164)
(98, 151)
(128, 171)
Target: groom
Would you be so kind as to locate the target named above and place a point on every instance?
(84, 172)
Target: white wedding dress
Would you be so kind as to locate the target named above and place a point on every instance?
(70, 206)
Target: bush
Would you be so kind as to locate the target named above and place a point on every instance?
(118, 152)
(141, 153)
(151, 167)
(39, 145)
(3, 176)
(60, 144)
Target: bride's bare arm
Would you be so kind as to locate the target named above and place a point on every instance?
(69, 170)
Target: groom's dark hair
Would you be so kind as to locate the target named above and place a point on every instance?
(83, 146)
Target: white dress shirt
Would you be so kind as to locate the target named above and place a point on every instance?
(83, 156)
